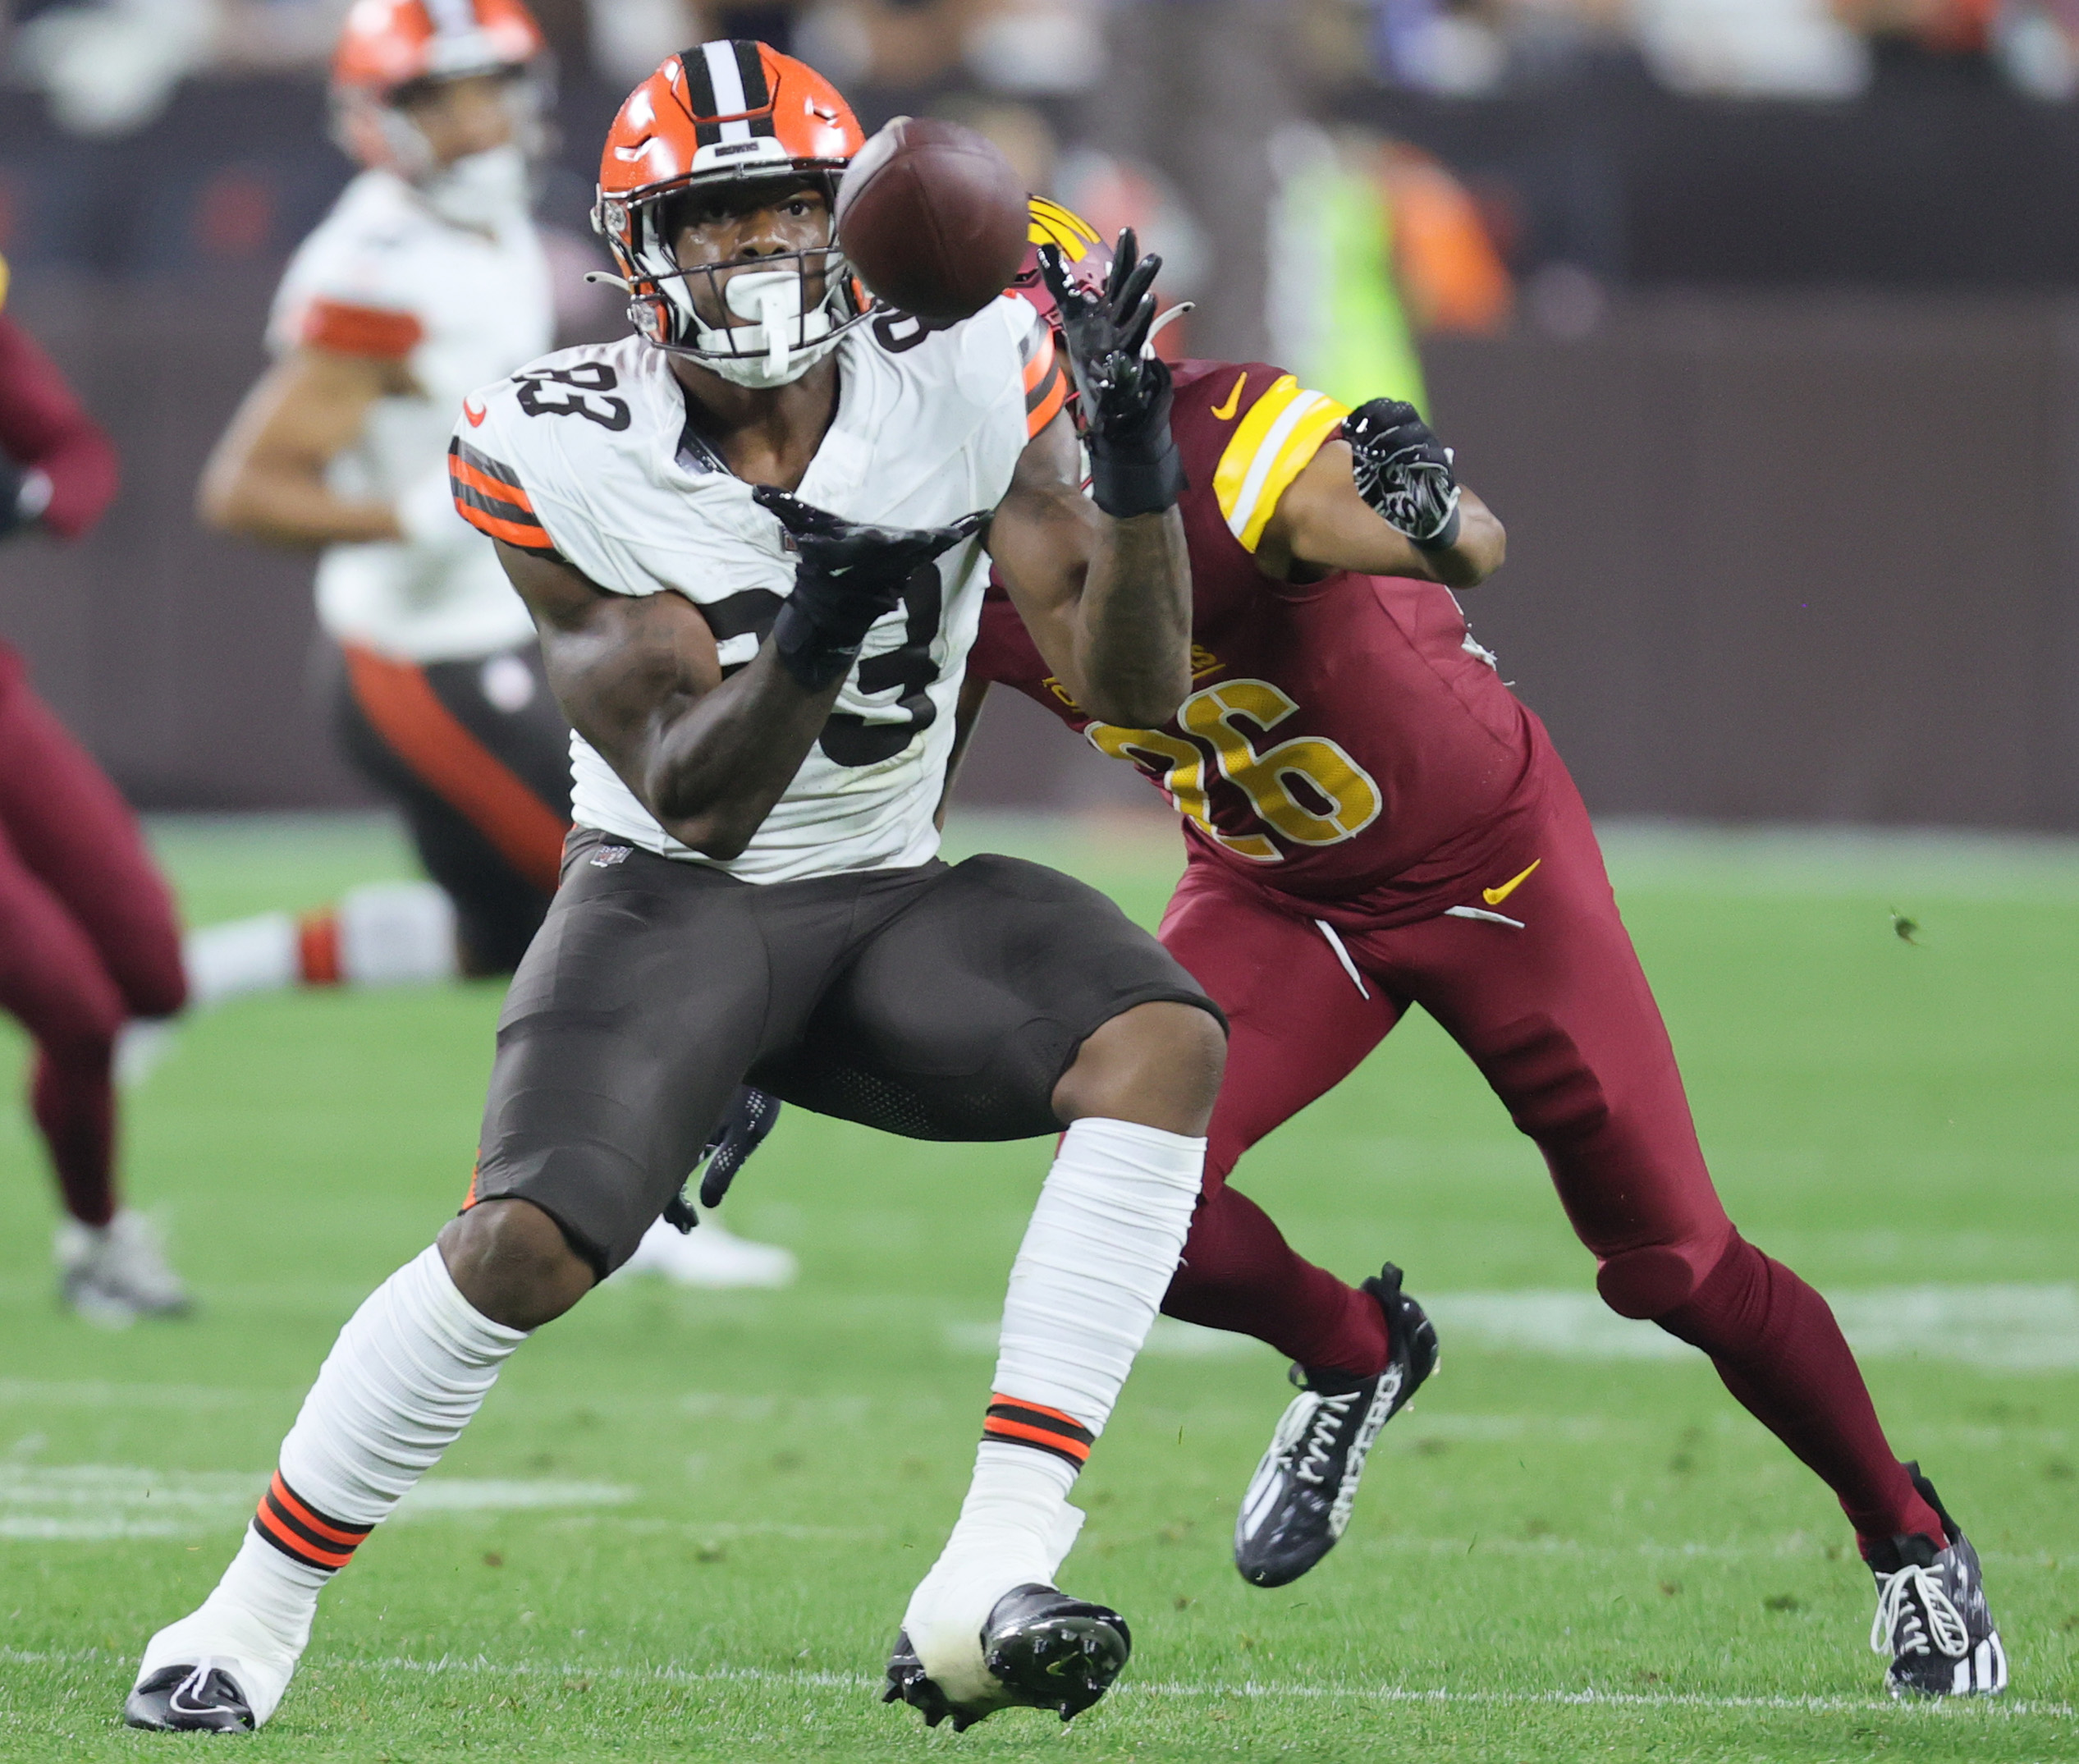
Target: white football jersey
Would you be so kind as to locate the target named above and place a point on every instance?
(384, 275)
(585, 456)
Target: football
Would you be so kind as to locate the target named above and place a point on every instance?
(932, 218)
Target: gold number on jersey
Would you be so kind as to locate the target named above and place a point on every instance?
(1321, 767)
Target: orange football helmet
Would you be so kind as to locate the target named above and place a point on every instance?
(387, 47)
(732, 112)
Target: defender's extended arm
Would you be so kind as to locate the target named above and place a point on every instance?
(1383, 499)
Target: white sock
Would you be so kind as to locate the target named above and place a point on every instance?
(1097, 1258)
(396, 934)
(408, 1372)
(258, 954)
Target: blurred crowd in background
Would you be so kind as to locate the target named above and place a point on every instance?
(1659, 262)
(110, 63)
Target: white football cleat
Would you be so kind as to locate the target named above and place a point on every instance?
(218, 1670)
(115, 1273)
(989, 1630)
(709, 1256)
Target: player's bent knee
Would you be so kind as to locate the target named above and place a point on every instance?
(1157, 1065)
(1652, 1281)
(512, 1261)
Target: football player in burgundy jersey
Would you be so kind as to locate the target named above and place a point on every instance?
(87, 937)
(1374, 820)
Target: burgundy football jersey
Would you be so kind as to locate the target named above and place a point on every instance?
(1345, 741)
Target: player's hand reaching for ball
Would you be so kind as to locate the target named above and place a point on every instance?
(851, 573)
(1403, 472)
(1122, 385)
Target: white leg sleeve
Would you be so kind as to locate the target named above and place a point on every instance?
(408, 1370)
(257, 955)
(1097, 1258)
(396, 934)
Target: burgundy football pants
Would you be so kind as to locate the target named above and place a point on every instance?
(87, 936)
(1559, 1020)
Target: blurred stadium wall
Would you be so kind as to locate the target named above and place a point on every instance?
(1779, 396)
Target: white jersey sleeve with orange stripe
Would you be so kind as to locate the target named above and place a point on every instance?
(587, 456)
(385, 278)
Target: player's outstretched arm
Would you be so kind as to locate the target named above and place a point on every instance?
(1383, 499)
(1104, 589)
(640, 679)
(1108, 602)
(266, 479)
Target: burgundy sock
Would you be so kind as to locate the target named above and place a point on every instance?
(1775, 1343)
(1239, 1273)
(74, 1100)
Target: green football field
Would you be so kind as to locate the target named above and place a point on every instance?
(685, 1524)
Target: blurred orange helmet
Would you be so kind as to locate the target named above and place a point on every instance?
(388, 46)
(732, 111)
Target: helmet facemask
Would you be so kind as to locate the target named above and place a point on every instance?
(792, 307)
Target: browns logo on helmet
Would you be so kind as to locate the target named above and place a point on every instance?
(726, 114)
(390, 51)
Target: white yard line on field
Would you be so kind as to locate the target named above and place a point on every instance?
(1588, 1697)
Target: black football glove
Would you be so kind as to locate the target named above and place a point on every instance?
(1123, 392)
(850, 573)
(1403, 472)
(751, 1115)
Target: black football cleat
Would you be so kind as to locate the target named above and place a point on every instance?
(202, 1699)
(1299, 1499)
(1046, 1650)
(1932, 1618)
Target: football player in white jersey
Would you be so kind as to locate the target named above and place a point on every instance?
(425, 281)
(762, 689)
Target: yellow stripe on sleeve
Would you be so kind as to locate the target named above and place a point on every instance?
(1283, 429)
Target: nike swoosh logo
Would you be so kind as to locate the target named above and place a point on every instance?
(1495, 896)
(1222, 412)
(475, 412)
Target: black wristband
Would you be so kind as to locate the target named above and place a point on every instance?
(1442, 539)
(1139, 471)
(813, 656)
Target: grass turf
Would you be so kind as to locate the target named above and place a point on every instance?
(732, 1494)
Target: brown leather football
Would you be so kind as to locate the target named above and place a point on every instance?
(932, 218)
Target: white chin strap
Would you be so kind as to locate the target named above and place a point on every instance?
(781, 343)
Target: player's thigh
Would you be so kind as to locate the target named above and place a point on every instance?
(504, 701)
(628, 1024)
(1298, 1022)
(1562, 1023)
(956, 1019)
(415, 731)
(498, 906)
(52, 980)
(69, 827)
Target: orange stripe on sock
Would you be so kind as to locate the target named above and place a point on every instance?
(346, 1534)
(398, 700)
(317, 947)
(300, 1547)
(1060, 1415)
(996, 1429)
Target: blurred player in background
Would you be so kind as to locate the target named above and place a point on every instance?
(87, 937)
(1374, 820)
(426, 280)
